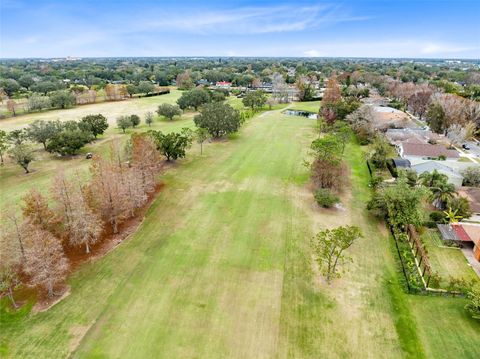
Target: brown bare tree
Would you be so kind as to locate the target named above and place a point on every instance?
(45, 262)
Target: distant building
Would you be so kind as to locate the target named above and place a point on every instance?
(223, 85)
(410, 151)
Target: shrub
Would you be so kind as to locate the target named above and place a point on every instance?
(437, 216)
(325, 198)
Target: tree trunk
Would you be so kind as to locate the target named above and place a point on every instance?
(1, 159)
(50, 290)
(26, 169)
(114, 226)
(44, 145)
(201, 148)
(87, 248)
(10, 295)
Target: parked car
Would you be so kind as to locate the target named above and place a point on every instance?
(465, 147)
(89, 155)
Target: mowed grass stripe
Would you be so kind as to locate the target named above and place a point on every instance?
(224, 269)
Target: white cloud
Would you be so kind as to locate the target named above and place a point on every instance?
(312, 53)
(249, 20)
(439, 48)
(388, 48)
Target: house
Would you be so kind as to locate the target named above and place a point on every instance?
(467, 235)
(412, 135)
(472, 194)
(203, 82)
(454, 177)
(223, 84)
(415, 151)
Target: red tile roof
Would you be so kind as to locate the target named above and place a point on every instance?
(427, 150)
(461, 234)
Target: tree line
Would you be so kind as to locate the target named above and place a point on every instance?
(75, 213)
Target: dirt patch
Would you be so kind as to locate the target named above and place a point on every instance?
(77, 255)
(45, 303)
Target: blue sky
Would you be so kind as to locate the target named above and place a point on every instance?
(357, 28)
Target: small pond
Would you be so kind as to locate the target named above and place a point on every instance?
(307, 114)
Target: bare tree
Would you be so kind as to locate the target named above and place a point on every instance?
(419, 102)
(36, 211)
(16, 228)
(279, 88)
(45, 262)
(10, 264)
(81, 225)
(145, 161)
(107, 192)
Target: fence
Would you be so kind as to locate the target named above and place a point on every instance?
(422, 264)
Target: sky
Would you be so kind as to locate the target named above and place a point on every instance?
(353, 28)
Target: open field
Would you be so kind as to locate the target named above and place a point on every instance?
(111, 110)
(14, 183)
(222, 268)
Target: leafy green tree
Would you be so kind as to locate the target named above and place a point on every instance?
(135, 120)
(400, 204)
(169, 111)
(38, 102)
(327, 147)
(473, 306)
(95, 124)
(172, 145)
(145, 87)
(193, 99)
(255, 99)
(343, 133)
(68, 142)
(62, 99)
(45, 87)
(22, 154)
(124, 122)
(26, 81)
(436, 118)
(218, 119)
(3, 144)
(132, 89)
(381, 152)
(149, 118)
(201, 134)
(10, 86)
(41, 131)
(329, 246)
(17, 137)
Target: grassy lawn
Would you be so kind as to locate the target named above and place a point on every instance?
(222, 268)
(311, 106)
(447, 262)
(111, 110)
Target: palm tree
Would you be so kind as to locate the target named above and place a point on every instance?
(441, 194)
(432, 179)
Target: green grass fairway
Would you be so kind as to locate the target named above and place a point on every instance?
(222, 268)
